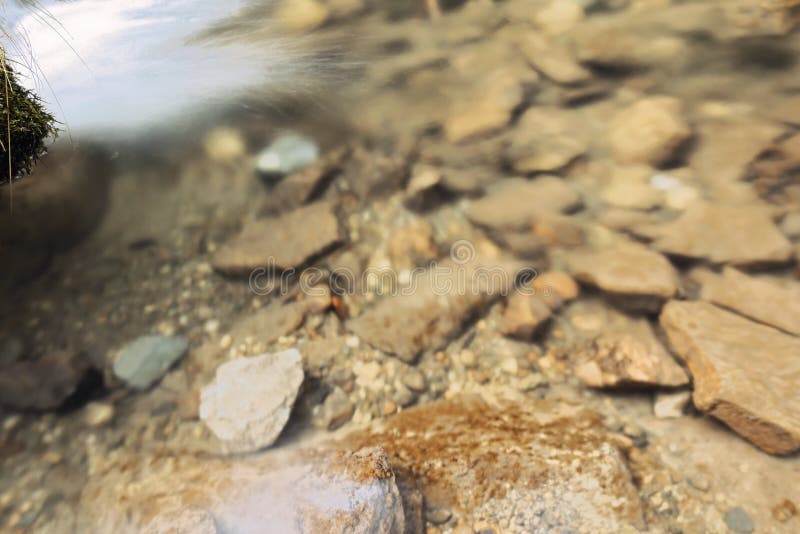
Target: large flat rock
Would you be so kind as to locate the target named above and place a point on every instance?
(550, 466)
(745, 374)
(761, 300)
(739, 235)
(643, 278)
(280, 242)
(517, 202)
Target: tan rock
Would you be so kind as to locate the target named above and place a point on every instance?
(650, 131)
(640, 276)
(761, 300)
(744, 373)
(558, 282)
(487, 109)
(428, 314)
(630, 187)
(301, 15)
(553, 61)
(544, 141)
(671, 404)
(524, 316)
(739, 235)
(279, 242)
(634, 357)
(517, 202)
(559, 16)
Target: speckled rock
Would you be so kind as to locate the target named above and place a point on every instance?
(744, 373)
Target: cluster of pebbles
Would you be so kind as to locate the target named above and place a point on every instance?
(547, 282)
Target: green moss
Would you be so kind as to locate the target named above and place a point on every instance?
(31, 125)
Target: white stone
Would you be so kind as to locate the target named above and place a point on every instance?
(249, 401)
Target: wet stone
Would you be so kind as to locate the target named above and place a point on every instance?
(518, 203)
(280, 242)
(744, 373)
(651, 131)
(287, 154)
(723, 233)
(637, 277)
(738, 520)
(44, 383)
(761, 300)
(250, 399)
(145, 361)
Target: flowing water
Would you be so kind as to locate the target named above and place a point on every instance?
(223, 168)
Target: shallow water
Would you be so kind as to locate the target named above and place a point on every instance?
(628, 154)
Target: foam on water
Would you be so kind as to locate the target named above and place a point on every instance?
(120, 65)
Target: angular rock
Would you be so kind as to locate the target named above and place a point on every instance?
(631, 187)
(634, 357)
(279, 242)
(146, 360)
(312, 492)
(483, 457)
(487, 109)
(517, 202)
(760, 300)
(544, 141)
(268, 324)
(431, 312)
(651, 130)
(524, 316)
(744, 373)
(44, 383)
(720, 233)
(637, 276)
(335, 411)
(552, 61)
(249, 402)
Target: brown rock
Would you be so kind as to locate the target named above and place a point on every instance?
(638, 276)
(744, 373)
(544, 141)
(558, 282)
(553, 61)
(487, 109)
(281, 242)
(412, 244)
(428, 315)
(524, 316)
(268, 324)
(517, 202)
(44, 383)
(760, 300)
(633, 357)
(484, 457)
(650, 131)
(740, 235)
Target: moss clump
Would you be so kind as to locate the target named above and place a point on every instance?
(30, 125)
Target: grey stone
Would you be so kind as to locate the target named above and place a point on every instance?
(146, 360)
(739, 521)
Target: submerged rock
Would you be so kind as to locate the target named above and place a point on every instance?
(146, 360)
(650, 131)
(250, 399)
(287, 154)
(634, 357)
(636, 276)
(744, 373)
(760, 300)
(721, 233)
(44, 383)
(279, 242)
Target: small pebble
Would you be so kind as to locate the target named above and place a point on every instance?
(738, 520)
(784, 511)
(389, 407)
(98, 413)
(438, 516)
